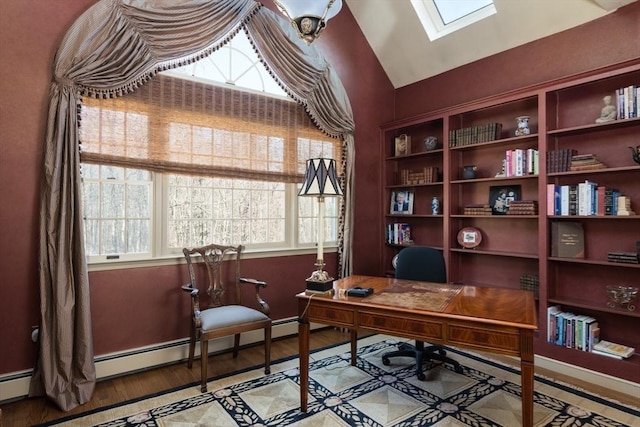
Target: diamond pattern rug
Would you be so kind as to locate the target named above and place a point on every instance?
(369, 395)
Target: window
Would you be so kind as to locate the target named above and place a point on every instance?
(442, 17)
(184, 162)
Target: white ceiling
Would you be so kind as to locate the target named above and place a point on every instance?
(407, 55)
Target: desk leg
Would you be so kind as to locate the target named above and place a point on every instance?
(526, 376)
(354, 346)
(303, 351)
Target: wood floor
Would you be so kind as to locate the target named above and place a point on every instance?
(31, 411)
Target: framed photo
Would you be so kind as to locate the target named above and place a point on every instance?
(501, 196)
(403, 145)
(401, 202)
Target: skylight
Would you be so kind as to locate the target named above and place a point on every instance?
(442, 17)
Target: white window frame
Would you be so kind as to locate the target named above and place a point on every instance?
(435, 27)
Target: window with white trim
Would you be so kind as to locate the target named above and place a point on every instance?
(442, 17)
(184, 161)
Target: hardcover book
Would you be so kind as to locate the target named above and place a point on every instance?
(567, 240)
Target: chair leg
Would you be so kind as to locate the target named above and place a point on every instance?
(236, 345)
(204, 359)
(192, 346)
(267, 350)
(440, 355)
(419, 349)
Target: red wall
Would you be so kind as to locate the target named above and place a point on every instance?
(137, 307)
(132, 308)
(611, 39)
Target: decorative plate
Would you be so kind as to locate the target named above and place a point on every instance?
(394, 261)
(469, 237)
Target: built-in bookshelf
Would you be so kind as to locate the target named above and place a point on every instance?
(485, 156)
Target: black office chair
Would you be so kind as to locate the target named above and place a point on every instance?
(425, 264)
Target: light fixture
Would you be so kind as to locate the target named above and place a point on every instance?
(320, 180)
(309, 17)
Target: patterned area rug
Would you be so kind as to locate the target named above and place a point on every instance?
(369, 394)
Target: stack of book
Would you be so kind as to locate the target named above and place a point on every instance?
(474, 134)
(477, 209)
(623, 257)
(523, 207)
(608, 348)
(427, 175)
(583, 162)
(570, 330)
(399, 234)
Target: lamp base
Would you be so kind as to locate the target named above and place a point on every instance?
(321, 286)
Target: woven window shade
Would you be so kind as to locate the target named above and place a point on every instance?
(188, 127)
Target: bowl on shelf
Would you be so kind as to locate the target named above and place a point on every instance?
(622, 295)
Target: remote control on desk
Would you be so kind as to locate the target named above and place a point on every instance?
(359, 292)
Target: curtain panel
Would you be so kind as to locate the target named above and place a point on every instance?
(112, 49)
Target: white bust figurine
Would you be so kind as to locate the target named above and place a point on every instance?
(608, 111)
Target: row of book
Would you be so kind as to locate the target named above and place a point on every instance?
(399, 233)
(521, 162)
(427, 175)
(627, 101)
(474, 134)
(585, 198)
(570, 330)
(581, 332)
(560, 160)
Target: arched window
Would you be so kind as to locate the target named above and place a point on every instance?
(211, 152)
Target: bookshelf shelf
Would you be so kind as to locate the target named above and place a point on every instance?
(622, 169)
(595, 262)
(498, 217)
(575, 303)
(494, 253)
(562, 117)
(578, 130)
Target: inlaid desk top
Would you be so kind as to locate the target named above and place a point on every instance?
(492, 305)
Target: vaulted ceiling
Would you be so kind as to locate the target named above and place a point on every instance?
(398, 39)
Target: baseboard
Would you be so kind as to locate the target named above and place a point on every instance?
(16, 384)
(592, 377)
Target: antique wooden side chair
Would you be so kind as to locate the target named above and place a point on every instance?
(224, 313)
(425, 264)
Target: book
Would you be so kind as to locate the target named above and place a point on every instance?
(604, 353)
(613, 348)
(567, 240)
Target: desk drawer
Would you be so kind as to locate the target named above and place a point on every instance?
(503, 340)
(331, 315)
(402, 326)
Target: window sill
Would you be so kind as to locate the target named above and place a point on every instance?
(179, 259)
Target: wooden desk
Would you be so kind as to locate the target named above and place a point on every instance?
(488, 319)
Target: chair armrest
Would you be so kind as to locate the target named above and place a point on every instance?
(264, 307)
(257, 283)
(189, 288)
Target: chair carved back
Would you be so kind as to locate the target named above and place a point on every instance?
(213, 257)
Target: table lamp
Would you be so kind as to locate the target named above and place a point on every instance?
(320, 180)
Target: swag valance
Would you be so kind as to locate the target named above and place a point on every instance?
(112, 49)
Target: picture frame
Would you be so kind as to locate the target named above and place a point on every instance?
(402, 145)
(501, 196)
(401, 202)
